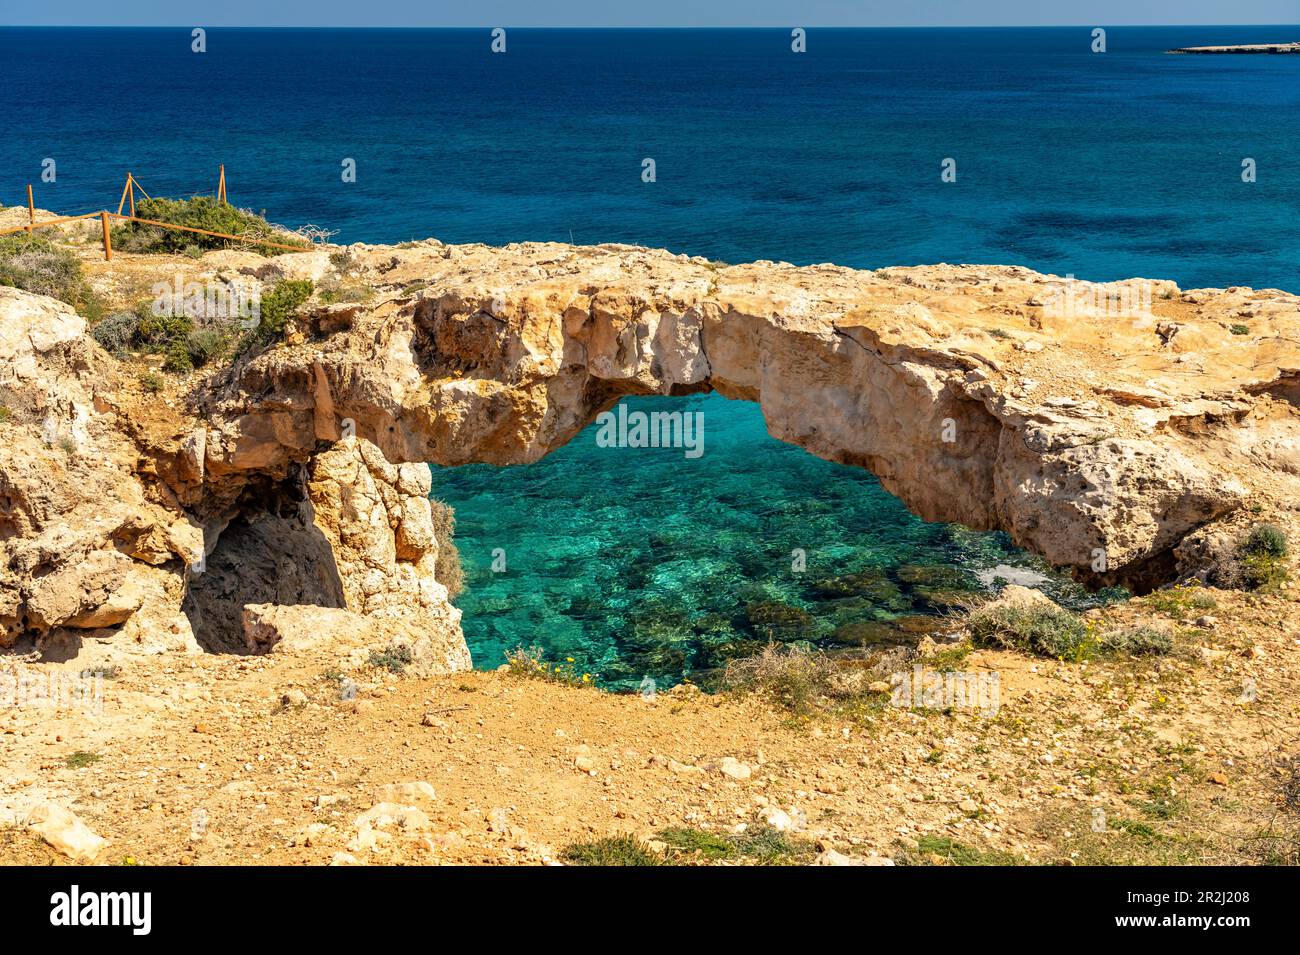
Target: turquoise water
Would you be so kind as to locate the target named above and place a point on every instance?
(641, 562)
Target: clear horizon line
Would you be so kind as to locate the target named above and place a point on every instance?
(490, 26)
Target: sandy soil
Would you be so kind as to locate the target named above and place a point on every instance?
(235, 760)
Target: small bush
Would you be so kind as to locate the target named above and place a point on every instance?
(178, 359)
(1265, 540)
(281, 304)
(151, 381)
(616, 850)
(155, 332)
(81, 759)
(185, 345)
(394, 658)
(207, 344)
(790, 677)
(35, 264)
(772, 847)
(1137, 641)
(200, 212)
(530, 662)
(1260, 556)
(1046, 630)
(1240, 329)
(682, 841)
(117, 332)
(810, 682)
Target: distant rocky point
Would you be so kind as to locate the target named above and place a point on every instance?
(1242, 48)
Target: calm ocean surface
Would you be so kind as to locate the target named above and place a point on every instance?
(641, 562)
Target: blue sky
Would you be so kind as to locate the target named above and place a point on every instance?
(522, 13)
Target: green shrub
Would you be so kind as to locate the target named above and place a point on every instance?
(1046, 630)
(1137, 641)
(696, 841)
(151, 381)
(157, 332)
(395, 658)
(178, 357)
(201, 212)
(35, 264)
(185, 346)
(207, 344)
(279, 305)
(1260, 556)
(761, 844)
(117, 332)
(616, 850)
(1265, 540)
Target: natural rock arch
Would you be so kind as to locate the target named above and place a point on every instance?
(1117, 444)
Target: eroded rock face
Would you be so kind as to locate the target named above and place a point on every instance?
(1115, 441)
(87, 540)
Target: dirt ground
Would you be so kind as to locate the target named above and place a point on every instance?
(223, 760)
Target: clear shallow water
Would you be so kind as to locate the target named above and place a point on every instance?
(641, 562)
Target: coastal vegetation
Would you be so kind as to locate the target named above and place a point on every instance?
(531, 663)
(33, 263)
(186, 344)
(1050, 631)
(200, 212)
(1261, 554)
(1046, 630)
(682, 845)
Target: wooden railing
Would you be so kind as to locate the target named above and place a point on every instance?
(129, 191)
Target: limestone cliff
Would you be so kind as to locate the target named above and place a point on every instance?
(1115, 432)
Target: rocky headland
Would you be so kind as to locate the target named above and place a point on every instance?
(1120, 431)
(1128, 432)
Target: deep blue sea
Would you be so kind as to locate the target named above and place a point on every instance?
(1103, 166)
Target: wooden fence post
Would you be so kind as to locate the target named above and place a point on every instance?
(221, 186)
(31, 209)
(130, 182)
(108, 243)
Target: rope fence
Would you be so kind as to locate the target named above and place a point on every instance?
(128, 195)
